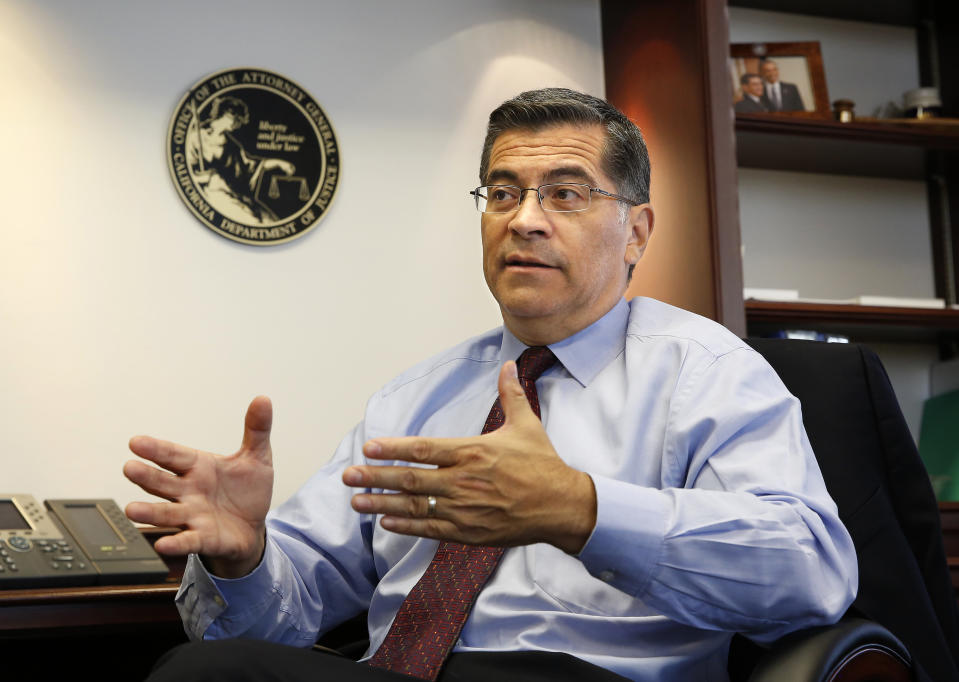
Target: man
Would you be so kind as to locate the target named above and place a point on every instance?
(781, 96)
(754, 100)
(666, 499)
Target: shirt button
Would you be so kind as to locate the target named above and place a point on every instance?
(218, 600)
(607, 576)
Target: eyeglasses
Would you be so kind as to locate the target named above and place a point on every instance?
(558, 197)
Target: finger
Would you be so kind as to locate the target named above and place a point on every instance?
(439, 529)
(257, 426)
(181, 544)
(393, 504)
(157, 513)
(403, 479)
(171, 456)
(438, 451)
(154, 481)
(512, 396)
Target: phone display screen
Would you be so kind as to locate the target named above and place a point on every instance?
(11, 518)
(90, 523)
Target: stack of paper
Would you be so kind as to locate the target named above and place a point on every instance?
(787, 295)
(900, 301)
(770, 294)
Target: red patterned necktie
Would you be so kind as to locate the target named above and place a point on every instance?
(431, 617)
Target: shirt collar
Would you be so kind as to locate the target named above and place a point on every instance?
(587, 351)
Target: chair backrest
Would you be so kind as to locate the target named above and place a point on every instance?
(873, 471)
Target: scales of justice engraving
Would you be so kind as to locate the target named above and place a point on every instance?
(253, 156)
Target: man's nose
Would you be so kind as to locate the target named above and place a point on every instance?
(530, 218)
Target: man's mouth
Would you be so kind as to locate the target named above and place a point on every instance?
(526, 263)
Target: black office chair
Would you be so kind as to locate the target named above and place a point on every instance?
(904, 624)
(873, 471)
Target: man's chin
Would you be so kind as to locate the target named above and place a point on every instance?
(528, 305)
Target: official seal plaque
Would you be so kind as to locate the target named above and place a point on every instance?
(253, 156)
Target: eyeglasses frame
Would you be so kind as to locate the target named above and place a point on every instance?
(539, 196)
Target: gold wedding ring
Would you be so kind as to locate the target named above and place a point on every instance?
(430, 505)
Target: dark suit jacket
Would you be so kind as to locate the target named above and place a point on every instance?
(747, 105)
(873, 472)
(792, 100)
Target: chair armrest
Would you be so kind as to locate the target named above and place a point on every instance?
(852, 649)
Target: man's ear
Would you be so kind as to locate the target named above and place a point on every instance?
(641, 228)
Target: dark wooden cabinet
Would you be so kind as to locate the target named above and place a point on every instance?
(949, 513)
(666, 67)
(665, 62)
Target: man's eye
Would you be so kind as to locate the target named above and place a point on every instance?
(566, 193)
(501, 194)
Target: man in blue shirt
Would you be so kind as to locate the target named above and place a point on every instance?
(666, 499)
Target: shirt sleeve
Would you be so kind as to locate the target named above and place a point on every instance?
(317, 569)
(748, 540)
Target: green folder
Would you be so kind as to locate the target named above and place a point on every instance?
(939, 443)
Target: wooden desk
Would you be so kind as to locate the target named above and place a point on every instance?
(113, 632)
(117, 632)
(949, 515)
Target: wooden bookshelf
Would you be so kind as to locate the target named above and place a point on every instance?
(887, 149)
(931, 134)
(865, 323)
(949, 516)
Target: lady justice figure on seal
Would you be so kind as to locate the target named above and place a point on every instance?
(222, 170)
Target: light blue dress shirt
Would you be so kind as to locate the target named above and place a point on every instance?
(712, 516)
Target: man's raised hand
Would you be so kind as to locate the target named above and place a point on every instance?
(507, 487)
(220, 502)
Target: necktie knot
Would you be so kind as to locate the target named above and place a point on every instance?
(534, 361)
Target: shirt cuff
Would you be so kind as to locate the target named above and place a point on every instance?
(626, 544)
(198, 600)
(203, 597)
(257, 581)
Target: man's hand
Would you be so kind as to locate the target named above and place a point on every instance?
(220, 502)
(504, 488)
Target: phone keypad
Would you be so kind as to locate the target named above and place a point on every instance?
(60, 554)
(7, 562)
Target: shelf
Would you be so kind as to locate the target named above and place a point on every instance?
(864, 148)
(896, 12)
(865, 323)
(927, 135)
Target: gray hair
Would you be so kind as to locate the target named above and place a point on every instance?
(625, 158)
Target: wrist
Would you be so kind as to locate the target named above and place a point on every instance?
(580, 517)
(233, 568)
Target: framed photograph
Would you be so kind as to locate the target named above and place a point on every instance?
(780, 79)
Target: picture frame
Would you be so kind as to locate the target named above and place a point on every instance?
(798, 69)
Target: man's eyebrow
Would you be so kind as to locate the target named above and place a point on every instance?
(501, 176)
(569, 172)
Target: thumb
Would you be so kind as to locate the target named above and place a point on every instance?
(512, 397)
(257, 426)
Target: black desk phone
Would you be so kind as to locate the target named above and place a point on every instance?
(72, 542)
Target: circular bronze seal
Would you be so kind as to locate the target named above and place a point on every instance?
(253, 156)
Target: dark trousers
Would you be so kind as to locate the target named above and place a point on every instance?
(237, 660)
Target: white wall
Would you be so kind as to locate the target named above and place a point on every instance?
(120, 314)
(835, 236)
